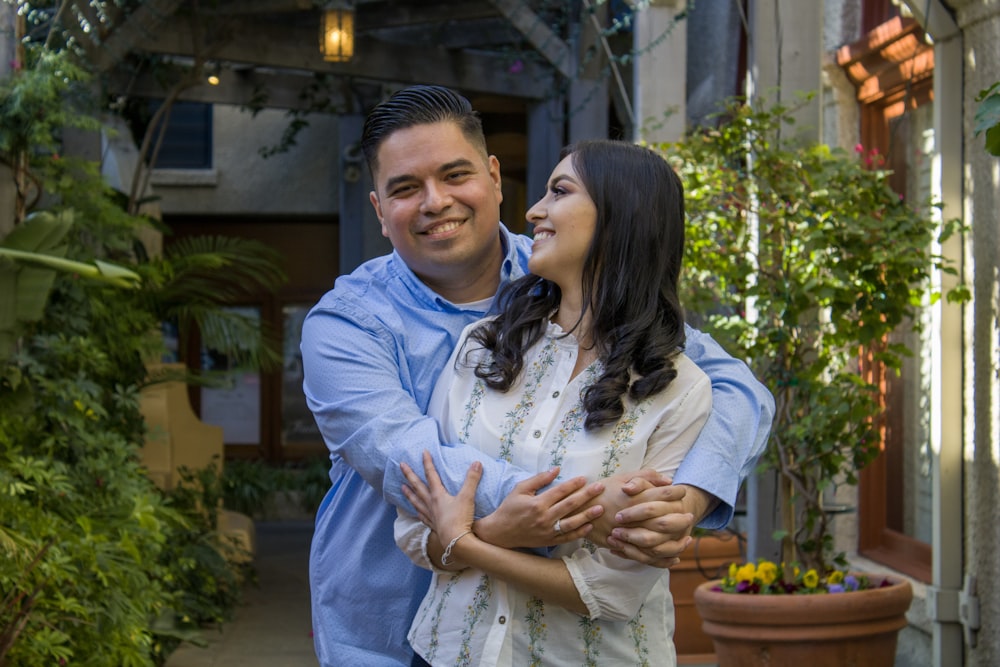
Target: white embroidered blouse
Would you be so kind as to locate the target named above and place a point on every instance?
(470, 618)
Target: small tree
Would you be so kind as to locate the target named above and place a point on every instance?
(800, 259)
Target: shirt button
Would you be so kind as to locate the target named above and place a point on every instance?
(555, 394)
(537, 434)
(503, 619)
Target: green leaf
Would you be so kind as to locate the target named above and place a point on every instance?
(988, 118)
(993, 140)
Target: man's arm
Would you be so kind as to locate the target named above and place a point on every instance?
(734, 437)
(653, 523)
(369, 403)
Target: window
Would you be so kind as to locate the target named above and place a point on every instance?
(264, 414)
(187, 143)
(892, 68)
(235, 406)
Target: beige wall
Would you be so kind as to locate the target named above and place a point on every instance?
(302, 181)
(980, 24)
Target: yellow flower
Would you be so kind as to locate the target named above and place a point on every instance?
(811, 579)
(835, 577)
(746, 572)
(768, 572)
(732, 570)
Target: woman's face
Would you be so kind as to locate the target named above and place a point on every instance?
(564, 220)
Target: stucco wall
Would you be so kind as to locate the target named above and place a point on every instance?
(301, 181)
(980, 23)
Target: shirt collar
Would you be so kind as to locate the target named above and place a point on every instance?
(510, 269)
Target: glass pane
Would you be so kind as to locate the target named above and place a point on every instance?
(297, 423)
(236, 406)
(910, 489)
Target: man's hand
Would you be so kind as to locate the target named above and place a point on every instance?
(527, 518)
(648, 520)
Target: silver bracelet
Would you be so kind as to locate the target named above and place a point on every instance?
(447, 549)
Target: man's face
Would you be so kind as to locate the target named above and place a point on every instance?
(438, 200)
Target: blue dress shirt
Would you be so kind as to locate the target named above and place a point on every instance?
(372, 349)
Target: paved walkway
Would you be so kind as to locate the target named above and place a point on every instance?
(272, 627)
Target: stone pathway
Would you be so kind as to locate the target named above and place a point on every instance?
(272, 628)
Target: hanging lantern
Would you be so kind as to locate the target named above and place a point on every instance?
(336, 32)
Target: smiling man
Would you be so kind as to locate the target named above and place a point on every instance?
(372, 350)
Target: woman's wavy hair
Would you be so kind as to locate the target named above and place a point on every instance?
(629, 279)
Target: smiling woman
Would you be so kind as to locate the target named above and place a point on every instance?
(554, 381)
(564, 221)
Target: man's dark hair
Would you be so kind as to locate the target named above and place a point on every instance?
(419, 105)
(630, 278)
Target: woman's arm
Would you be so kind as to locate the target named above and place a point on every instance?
(598, 585)
(451, 518)
(363, 392)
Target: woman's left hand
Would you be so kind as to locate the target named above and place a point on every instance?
(447, 515)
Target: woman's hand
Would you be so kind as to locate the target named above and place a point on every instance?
(527, 517)
(448, 516)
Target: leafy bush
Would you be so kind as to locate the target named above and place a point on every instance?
(251, 487)
(83, 527)
(209, 568)
(97, 566)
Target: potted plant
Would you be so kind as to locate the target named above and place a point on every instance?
(802, 260)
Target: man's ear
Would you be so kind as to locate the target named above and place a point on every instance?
(373, 198)
(494, 167)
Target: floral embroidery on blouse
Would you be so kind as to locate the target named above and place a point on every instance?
(533, 378)
(471, 409)
(572, 421)
(436, 620)
(480, 603)
(621, 439)
(590, 634)
(637, 631)
(535, 618)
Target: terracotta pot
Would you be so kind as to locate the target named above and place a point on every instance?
(709, 557)
(858, 629)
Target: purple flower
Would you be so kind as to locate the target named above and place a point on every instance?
(850, 583)
(835, 588)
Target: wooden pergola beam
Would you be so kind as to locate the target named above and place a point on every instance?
(538, 34)
(141, 25)
(294, 47)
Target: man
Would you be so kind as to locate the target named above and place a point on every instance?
(373, 347)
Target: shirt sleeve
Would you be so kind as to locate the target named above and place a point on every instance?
(411, 538)
(369, 417)
(612, 587)
(733, 439)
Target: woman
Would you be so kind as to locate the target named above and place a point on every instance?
(583, 369)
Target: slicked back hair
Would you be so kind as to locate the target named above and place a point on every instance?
(419, 105)
(630, 281)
